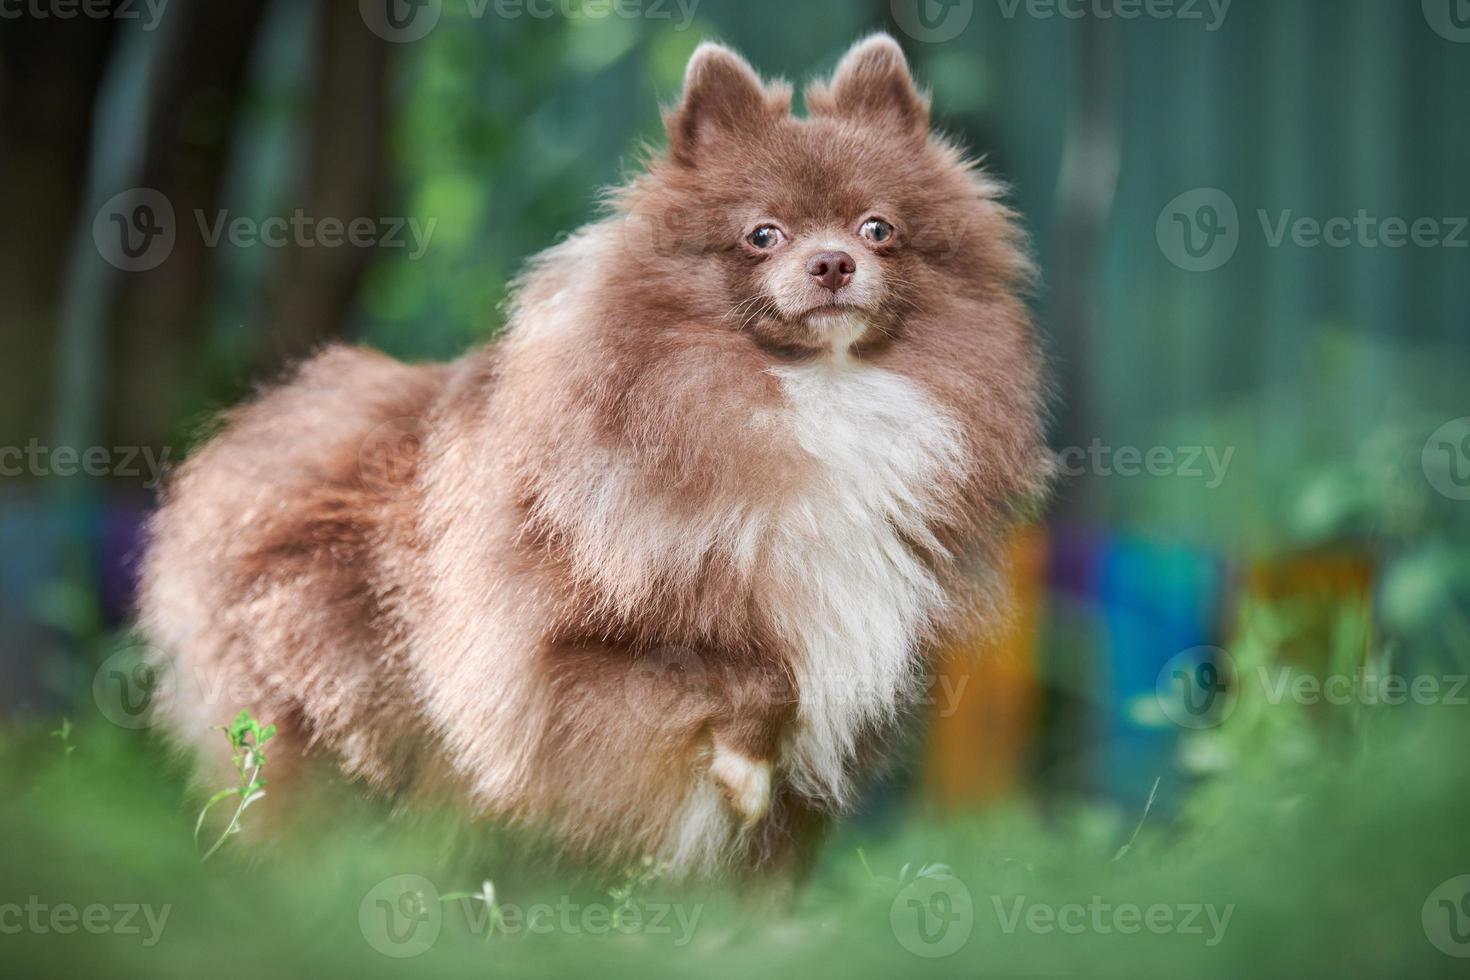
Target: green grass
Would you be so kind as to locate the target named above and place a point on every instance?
(1323, 855)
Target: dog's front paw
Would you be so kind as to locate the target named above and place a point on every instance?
(745, 783)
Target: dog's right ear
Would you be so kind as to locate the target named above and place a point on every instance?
(873, 82)
(723, 96)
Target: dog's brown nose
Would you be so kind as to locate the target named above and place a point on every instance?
(832, 269)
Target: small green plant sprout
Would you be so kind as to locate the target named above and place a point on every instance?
(247, 743)
(486, 894)
(906, 874)
(64, 734)
(623, 896)
(1153, 795)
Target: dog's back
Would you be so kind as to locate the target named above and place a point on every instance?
(268, 579)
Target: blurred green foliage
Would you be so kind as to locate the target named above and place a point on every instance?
(1322, 851)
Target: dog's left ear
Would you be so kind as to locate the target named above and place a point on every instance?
(723, 97)
(873, 82)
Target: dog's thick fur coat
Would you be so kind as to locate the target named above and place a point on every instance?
(658, 570)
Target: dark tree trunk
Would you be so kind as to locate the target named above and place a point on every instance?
(50, 70)
(1087, 188)
(312, 296)
(158, 317)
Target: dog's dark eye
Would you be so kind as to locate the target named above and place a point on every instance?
(876, 230)
(764, 237)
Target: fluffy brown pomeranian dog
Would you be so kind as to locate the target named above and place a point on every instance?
(659, 570)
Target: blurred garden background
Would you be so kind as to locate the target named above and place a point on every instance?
(1235, 674)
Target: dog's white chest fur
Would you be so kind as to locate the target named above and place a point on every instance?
(848, 593)
(830, 559)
